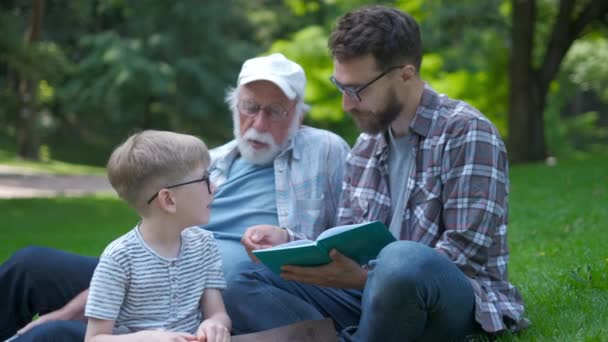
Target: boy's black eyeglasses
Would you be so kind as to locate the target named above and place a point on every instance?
(205, 179)
(355, 91)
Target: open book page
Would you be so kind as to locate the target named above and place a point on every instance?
(360, 242)
(337, 230)
(292, 244)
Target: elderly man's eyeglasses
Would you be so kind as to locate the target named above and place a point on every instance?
(353, 91)
(204, 178)
(275, 111)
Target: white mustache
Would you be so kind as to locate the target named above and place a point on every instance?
(263, 137)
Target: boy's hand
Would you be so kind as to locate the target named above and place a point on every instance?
(212, 331)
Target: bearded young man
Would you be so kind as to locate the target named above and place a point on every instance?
(435, 171)
(276, 172)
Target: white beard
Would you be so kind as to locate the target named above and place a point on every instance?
(263, 156)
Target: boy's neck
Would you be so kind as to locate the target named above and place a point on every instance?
(163, 237)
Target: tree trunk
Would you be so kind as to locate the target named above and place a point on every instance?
(526, 132)
(529, 86)
(28, 139)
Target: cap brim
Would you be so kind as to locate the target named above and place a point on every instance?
(279, 82)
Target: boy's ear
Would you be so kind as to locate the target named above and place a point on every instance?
(408, 71)
(166, 200)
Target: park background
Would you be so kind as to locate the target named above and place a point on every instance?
(76, 77)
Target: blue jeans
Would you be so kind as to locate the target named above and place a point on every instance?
(413, 293)
(41, 280)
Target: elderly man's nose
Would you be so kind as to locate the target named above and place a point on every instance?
(261, 121)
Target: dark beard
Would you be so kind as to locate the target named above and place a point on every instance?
(374, 123)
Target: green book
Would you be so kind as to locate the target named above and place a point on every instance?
(361, 242)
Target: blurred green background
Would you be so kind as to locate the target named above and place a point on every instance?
(76, 77)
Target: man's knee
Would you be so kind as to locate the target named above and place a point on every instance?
(405, 264)
(27, 258)
(408, 256)
(55, 331)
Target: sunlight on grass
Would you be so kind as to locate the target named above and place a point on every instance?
(55, 167)
(9, 157)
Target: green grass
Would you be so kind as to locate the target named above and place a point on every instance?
(558, 239)
(54, 167)
(557, 236)
(81, 225)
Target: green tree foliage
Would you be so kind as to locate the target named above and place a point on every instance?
(129, 65)
(103, 68)
(165, 65)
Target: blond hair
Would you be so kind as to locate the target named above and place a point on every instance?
(150, 160)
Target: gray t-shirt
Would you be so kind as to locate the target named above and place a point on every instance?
(141, 290)
(400, 163)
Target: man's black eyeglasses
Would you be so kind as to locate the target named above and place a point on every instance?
(355, 91)
(205, 179)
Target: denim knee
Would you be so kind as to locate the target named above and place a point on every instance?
(27, 258)
(403, 264)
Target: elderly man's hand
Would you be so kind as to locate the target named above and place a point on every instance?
(342, 272)
(263, 236)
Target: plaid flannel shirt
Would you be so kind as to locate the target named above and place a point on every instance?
(456, 198)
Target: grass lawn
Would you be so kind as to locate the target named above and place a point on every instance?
(558, 241)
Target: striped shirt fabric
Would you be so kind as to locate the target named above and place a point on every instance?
(456, 198)
(141, 290)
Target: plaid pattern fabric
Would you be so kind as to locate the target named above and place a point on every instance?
(456, 198)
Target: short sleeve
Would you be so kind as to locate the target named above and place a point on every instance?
(214, 274)
(107, 290)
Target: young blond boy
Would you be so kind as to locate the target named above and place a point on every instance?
(157, 281)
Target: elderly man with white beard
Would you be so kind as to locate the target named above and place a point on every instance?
(276, 172)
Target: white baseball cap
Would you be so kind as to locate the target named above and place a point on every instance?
(275, 68)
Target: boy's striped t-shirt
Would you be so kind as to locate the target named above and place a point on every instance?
(141, 290)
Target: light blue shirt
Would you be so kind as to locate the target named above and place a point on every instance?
(246, 198)
(308, 179)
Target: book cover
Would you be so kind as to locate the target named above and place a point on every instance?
(360, 242)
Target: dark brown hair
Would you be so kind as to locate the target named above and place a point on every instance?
(390, 35)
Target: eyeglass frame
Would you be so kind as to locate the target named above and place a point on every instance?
(264, 109)
(204, 178)
(354, 92)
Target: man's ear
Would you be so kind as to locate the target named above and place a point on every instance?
(166, 201)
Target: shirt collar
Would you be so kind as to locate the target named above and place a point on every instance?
(425, 113)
